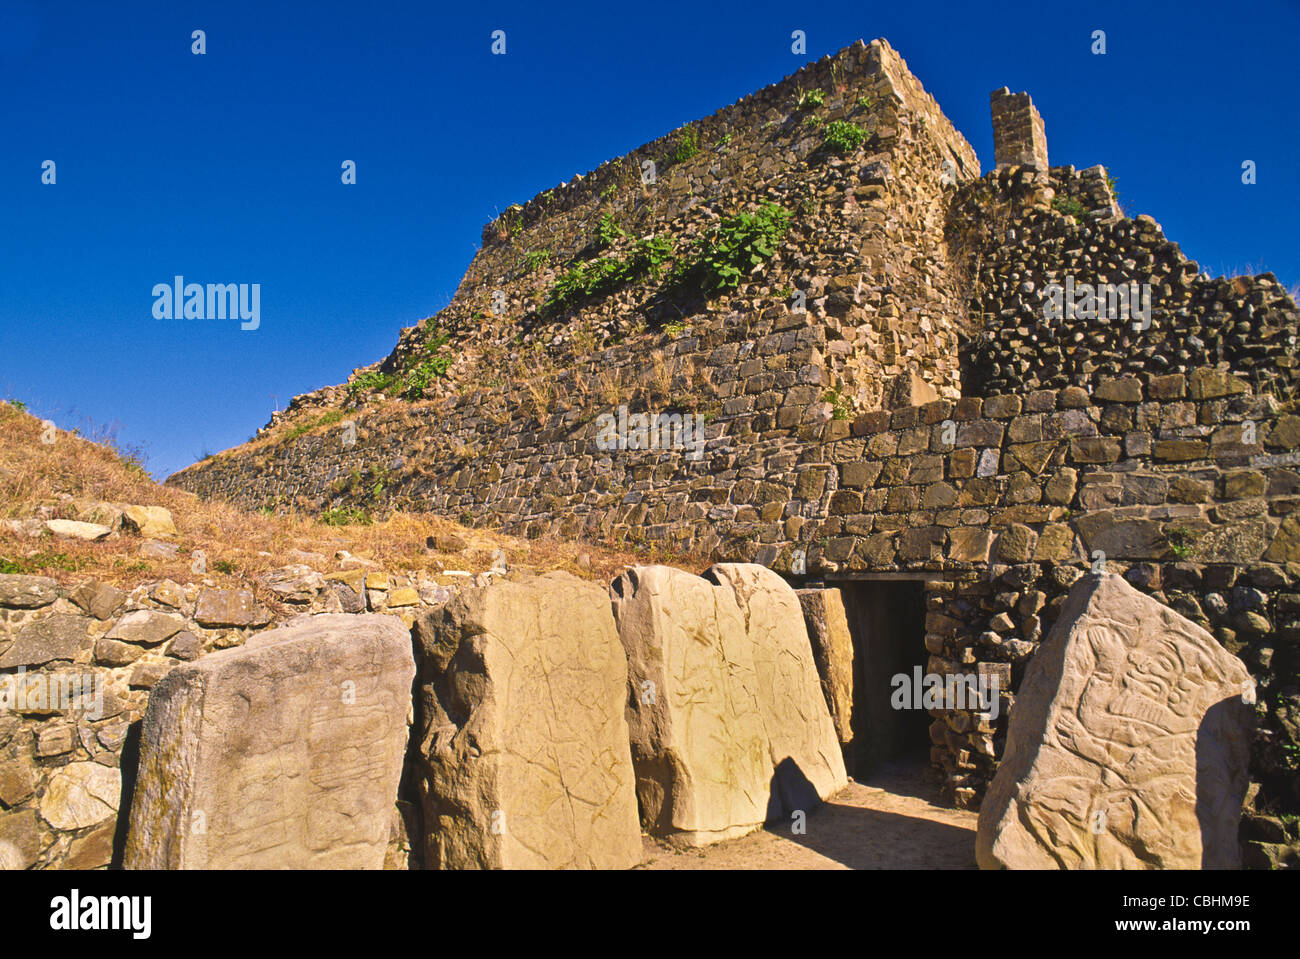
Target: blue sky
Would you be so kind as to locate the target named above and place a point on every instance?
(225, 168)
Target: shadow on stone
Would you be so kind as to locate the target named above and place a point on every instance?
(1222, 758)
(130, 764)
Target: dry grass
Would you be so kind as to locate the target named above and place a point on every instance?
(66, 478)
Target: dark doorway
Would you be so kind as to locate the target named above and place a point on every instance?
(887, 622)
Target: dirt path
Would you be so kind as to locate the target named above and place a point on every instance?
(893, 821)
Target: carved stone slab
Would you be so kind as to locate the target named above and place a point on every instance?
(282, 754)
(1128, 744)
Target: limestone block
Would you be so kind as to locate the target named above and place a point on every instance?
(524, 744)
(1128, 745)
(729, 725)
(801, 735)
(283, 753)
(832, 646)
(149, 521)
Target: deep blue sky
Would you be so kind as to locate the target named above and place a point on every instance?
(226, 167)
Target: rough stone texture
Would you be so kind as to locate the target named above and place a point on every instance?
(19, 839)
(1128, 746)
(801, 734)
(729, 726)
(74, 529)
(81, 794)
(285, 753)
(144, 627)
(1018, 135)
(27, 592)
(98, 599)
(149, 521)
(524, 745)
(92, 851)
(225, 607)
(832, 646)
(57, 637)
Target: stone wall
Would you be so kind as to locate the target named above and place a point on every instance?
(1179, 477)
(1020, 242)
(67, 765)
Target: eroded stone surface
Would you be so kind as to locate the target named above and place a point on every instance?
(802, 743)
(729, 726)
(285, 753)
(832, 646)
(1128, 746)
(27, 592)
(525, 744)
(81, 794)
(55, 638)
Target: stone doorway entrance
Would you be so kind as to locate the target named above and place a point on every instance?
(887, 622)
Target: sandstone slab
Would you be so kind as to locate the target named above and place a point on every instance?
(27, 592)
(98, 599)
(729, 725)
(145, 627)
(73, 529)
(801, 735)
(225, 607)
(80, 795)
(149, 521)
(283, 753)
(524, 744)
(832, 646)
(55, 638)
(1128, 745)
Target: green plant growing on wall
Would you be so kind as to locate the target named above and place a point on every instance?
(345, 516)
(865, 102)
(432, 365)
(534, 260)
(687, 145)
(841, 407)
(843, 137)
(1181, 540)
(372, 381)
(608, 273)
(1068, 206)
(647, 258)
(509, 224)
(608, 232)
(734, 248)
(811, 99)
(325, 419)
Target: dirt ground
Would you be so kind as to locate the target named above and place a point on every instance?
(895, 820)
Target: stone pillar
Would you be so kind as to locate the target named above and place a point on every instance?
(1018, 135)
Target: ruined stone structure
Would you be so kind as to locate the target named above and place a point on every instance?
(887, 397)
